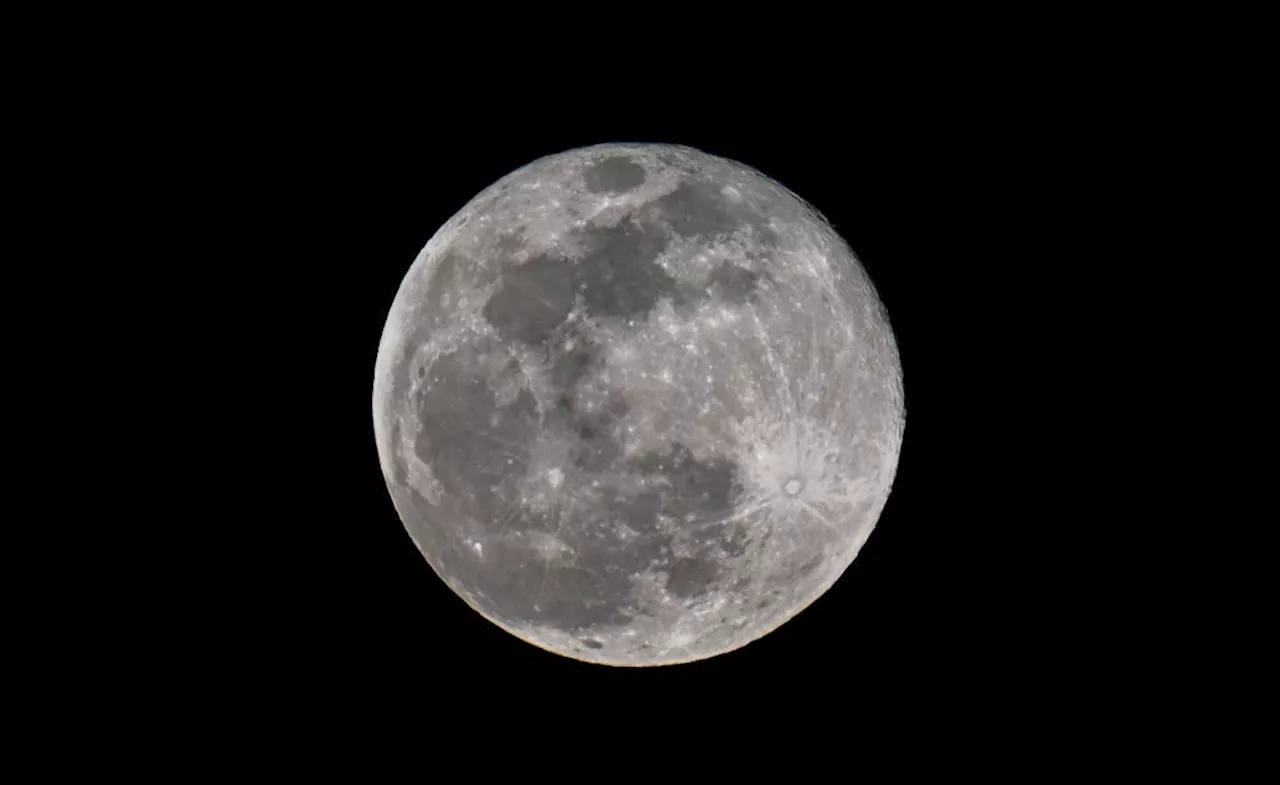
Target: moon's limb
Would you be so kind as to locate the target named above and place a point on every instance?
(637, 404)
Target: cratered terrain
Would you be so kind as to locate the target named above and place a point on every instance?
(637, 404)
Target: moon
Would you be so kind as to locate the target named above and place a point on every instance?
(637, 404)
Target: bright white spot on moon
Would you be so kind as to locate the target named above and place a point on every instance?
(792, 487)
(555, 477)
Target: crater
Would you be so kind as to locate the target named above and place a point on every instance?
(616, 174)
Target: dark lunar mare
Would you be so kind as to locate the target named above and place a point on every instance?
(478, 449)
(698, 209)
(618, 275)
(696, 494)
(470, 440)
(532, 301)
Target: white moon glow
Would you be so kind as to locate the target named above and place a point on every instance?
(637, 404)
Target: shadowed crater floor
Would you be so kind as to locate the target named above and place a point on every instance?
(616, 174)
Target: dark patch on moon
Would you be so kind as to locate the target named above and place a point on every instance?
(594, 588)
(616, 174)
(617, 275)
(444, 279)
(533, 299)
(570, 366)
(574, 597)
(686, 298)
(399, 470)
(697, 209)
(733, 283)
(638, 512)
(735, 544)
(591, 643)
(596, 448)
(469, 441)
(510, 242)
(806, 569)
(691, 577)
(692, 487)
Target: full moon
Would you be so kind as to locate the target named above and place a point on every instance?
(637, 404)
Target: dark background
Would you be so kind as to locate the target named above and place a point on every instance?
(998, 197)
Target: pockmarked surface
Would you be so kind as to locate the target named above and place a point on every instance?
(637, 404)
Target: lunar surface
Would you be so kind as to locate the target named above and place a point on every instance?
(637, 404)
